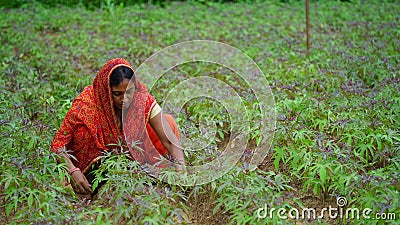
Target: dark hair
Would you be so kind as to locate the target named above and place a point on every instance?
(119, 73)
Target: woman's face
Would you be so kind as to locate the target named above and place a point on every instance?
(124, 88)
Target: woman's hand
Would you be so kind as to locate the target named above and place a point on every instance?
(80, 183)
(179, 165)
(180, 168)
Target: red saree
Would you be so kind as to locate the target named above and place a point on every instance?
(90, 126)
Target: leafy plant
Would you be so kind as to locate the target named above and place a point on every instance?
(337, 130)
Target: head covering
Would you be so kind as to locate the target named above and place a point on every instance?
(134, 116)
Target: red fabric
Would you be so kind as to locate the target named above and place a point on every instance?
(155, 141)
(89, 127)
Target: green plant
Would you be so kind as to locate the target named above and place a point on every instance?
(337, 130)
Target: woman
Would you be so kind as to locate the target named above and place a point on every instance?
(116, 109)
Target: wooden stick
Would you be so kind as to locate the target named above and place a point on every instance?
(307, 26)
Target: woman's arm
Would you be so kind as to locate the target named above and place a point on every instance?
(62, 152)
(80, 182)
(164, 132)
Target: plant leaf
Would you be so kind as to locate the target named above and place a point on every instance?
(322, 173)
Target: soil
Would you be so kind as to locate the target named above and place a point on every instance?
(201, 211)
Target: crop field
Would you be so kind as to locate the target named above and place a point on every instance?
(336, 142)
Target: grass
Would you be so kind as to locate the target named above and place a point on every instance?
(337, 131)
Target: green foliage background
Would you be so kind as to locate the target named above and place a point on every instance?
(338, 108)
(93, 4)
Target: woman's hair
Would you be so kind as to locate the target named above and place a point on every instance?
(119, 73)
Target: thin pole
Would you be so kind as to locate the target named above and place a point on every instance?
(307, 26)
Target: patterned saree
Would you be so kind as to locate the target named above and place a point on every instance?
(90, 126)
